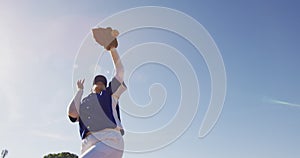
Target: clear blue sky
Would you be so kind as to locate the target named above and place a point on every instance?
(258, 40)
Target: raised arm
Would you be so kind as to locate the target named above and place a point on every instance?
(107, 38)
(118, 64)
(76, 101)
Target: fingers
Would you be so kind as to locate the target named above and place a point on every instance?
(80, 83)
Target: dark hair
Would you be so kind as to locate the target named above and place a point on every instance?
(100, 78)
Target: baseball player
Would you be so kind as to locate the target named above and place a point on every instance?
(98, 113)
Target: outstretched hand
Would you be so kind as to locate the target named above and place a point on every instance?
(80, 84)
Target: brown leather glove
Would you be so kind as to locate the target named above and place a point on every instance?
(106, 37)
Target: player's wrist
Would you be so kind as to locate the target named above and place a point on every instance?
(112, 49)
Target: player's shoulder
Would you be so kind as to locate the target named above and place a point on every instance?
(88, 97)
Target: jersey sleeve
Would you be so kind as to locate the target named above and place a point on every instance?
(74, 105)
(116, 88)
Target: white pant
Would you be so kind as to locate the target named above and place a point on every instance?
(107, 143)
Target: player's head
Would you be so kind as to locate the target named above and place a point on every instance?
(99, 83)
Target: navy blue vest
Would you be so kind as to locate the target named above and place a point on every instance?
(96, 111)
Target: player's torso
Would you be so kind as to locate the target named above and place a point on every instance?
(95, 111)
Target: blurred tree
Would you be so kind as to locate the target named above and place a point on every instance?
(61, 155)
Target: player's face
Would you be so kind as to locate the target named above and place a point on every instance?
(100, 86)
